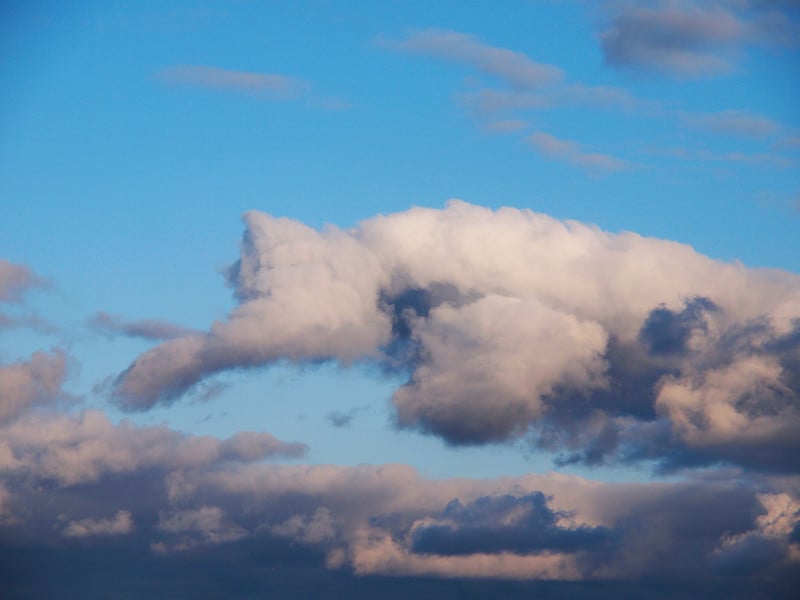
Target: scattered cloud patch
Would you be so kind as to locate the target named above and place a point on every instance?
(689, 38)
(490, 525)
(268, 86)
(32, 383)
(738, 123)
(120, 524)
(700, 154)
(514, 68)
(148, 329)
(572, 152)
(344, 418)
(506, 126)
(17, 280)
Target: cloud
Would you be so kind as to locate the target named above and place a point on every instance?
(340, 418)
(120, 524)
(84, 448)
(16, 281)
(318, 528)
(687, 38)
(505, 126)
(736, 123)
(387, 520)
(756, 159)
(494, 524)
(571, 152)
(189, 528)
(770, 539)
(600, 346)
(267, 86)
(788, 143)
(526, 85)
(205, 505)
(513, 68)
(28, 384)
(148, 329)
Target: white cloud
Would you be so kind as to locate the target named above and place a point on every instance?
(510, 322)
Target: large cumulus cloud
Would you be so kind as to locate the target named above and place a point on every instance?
(81, 496)
(511, 323)
(509, 319)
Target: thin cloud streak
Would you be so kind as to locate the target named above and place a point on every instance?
(514, 68)
(148, 329)
(738, 123)
(572, 152)
(263, 85)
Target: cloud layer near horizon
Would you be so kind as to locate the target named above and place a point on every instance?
(510, 323)
(69, 480)
(75, 484)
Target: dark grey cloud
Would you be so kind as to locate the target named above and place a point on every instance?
(387, 521)
(692, 39)
(522, 525)
(148, 329)
(599, 346)
(343, 418)
(77, 490)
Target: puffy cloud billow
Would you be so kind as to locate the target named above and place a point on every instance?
(510, 324)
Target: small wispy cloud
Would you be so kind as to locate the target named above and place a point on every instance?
(740, 123)
(514, 68)
(505, 126)
(572, 152)
(16, 280)
(791, 142)
(343, 418)
(120, 524)
(269, 86)
(763, 159)
(148, 329)
(488, 102)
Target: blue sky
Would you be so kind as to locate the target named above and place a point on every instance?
(135, 136)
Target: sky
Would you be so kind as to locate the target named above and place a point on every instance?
(454, 299)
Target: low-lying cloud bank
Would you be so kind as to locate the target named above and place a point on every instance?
(511, 324)
(72, 484)
(159, 511)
